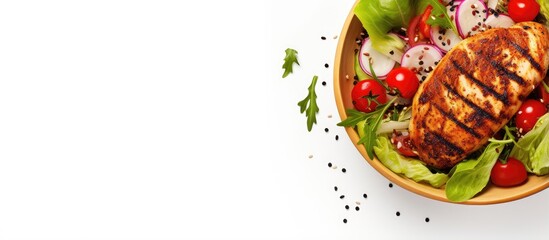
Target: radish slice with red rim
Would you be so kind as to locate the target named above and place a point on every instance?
(381, 64)
(470, 17)
(422, 59)
(498, 21)
(445, 39)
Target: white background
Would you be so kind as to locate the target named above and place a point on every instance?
(170, 120)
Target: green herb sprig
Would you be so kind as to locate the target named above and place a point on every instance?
(309, 106)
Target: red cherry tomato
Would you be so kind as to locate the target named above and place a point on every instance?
(403, 144)
(404, 80)
(511, 173)
(367, 94)
(523, 10)
(528, 114)
(424, 28)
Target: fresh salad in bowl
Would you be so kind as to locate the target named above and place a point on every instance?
(453, 94)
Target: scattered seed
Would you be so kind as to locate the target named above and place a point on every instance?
(344, 170)
(335, 37)
(357, 208)
(323, 38)
(347, 76)
(323, 83)
(342, 197)
(329, 164)
(310, 156)
(398, 213)
(345, 220)
(326, 65)
(326, 130)
(335, 188)
(330, 116)
(427, 220)
(347, 207)
(337, 137)
(365, 195)
(357, 203)
(390, 185)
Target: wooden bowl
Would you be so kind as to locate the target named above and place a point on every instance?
(343, 83)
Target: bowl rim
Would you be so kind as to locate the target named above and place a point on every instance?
(424, 190)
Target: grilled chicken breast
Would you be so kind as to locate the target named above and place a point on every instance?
(475, 90)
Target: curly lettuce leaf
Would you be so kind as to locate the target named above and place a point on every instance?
(471, 176)
(409, 167)
(378, 17)
(533, 148)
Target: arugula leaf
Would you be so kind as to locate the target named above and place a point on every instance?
(367, 130)
(309, 106)
(440, 17)
(289, 60)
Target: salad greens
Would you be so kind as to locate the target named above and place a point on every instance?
(411, 168)
(469, 177)
(533, 148)
(380, 16)
(289, 60)
(309, 106)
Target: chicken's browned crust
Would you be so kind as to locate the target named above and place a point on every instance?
(475, 90)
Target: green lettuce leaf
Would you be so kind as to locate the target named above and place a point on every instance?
(533, 148)
(471, 176)
(409, 167)
(378, 17)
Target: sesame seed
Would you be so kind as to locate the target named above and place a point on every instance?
(357, 203)
(342, 197)
(398, 214)
(337, 137)
(323, 38)
(390, 185)
(326, 65)
(357, 208)
(347, 207)
(335, 188)
(345, 220)
(323, 83)
(427, 220)
(329, 164)
(365, 195)
(326, 130)
(344, 170)
(310, 156)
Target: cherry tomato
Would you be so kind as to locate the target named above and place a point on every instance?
(528, 114)
(424, 28)
(367, 94)
(523, 10)
(403, 144)
(404, 80)
(508, 174)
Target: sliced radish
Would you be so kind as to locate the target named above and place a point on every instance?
(498, 21)
(445, 39)
(421, 59)
(492, 4)
(381, 64)
(470, 16)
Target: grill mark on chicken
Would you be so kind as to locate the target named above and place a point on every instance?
(501, 97)
(478, 110)
(503, 71)
(526, 54)
(457, 121)
(435, 138)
